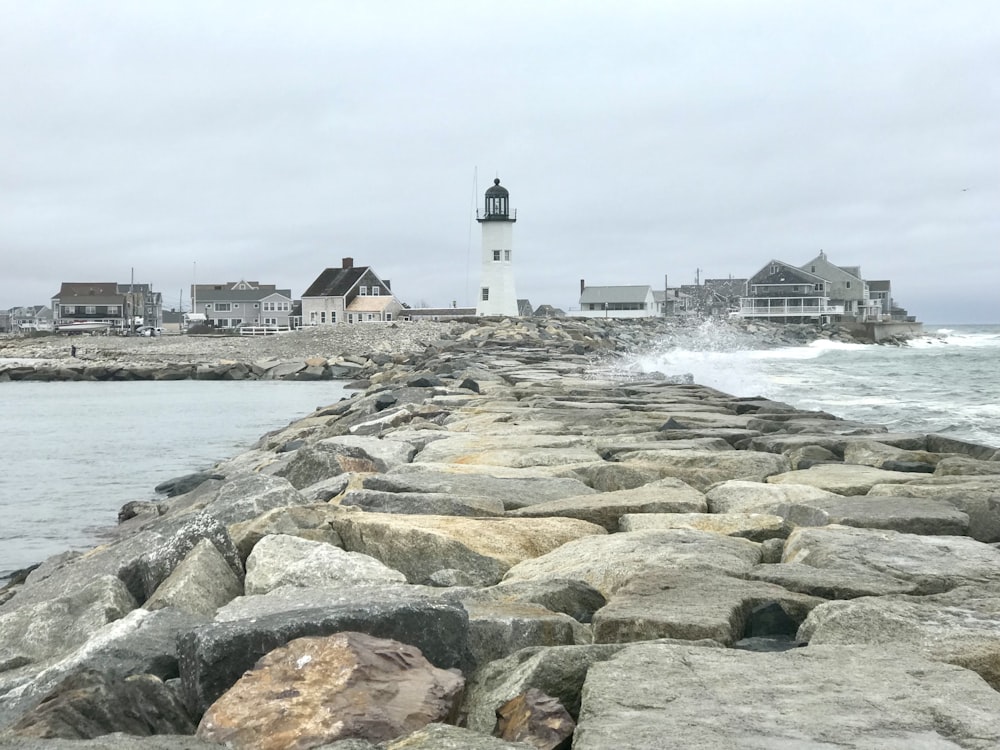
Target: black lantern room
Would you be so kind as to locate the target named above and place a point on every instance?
(497, 203)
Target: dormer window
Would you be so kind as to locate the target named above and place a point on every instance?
(363, 291)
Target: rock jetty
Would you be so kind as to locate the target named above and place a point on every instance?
(506, 540)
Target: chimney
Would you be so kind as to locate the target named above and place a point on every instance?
(582, 285)
(348, 263)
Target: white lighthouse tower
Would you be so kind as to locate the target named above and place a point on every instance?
(496, 285)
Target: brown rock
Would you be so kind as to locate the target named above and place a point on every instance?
(537, 719)
(314, 691)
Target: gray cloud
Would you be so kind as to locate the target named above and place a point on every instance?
(266, 141)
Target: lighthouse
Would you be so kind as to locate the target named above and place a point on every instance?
(496, 284)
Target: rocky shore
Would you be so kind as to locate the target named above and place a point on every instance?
(503, 541)
(345, 352)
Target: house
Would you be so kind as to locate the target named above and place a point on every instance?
(715, 296)
(30, 318)
(846, 287)
(96, 304)
(615, 302)
(349, 294)
(243, 303)
(673, 301)
(785, 293)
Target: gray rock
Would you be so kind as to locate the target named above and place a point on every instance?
(498, 629)
(514, 492)
(606, 508)
(45, 630)
(337, 455)
(909, 515)
(142, 642)
(142, 561)
(830, 583)
(484, 548)
(964, 466)
(979, 500)
(609, 562)
(201, 583)
(558, 671)
(573, 598)
(702, 469)
(89, 704)
(842, 479)
(760, 497)
(306, 521)
(282, 560)
(184, 484)
(245, 497)
(757, 527)
(817, 697)
(965, 636)
(115, 741)
(931, 563)
(694, 606)
(447, 737)
(214, 656)
(429, 503)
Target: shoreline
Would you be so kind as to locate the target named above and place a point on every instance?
(348, 352)
(639, 550)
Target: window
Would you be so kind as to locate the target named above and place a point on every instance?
(222, 323)
(350, 317)
(363, 291)
(847, 284)
(322, 317)
(69, 310)
(223, 306)
(388, 316)
(333, 317)
(817, 287)
(376, 291)
(114, 310)
(270, 321)
(90, 310)
(236, 306)
(496, 256)
(257, 305)
(485, 295)
(312, 317)
(371, 316)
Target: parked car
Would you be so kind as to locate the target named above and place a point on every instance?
(149, 331)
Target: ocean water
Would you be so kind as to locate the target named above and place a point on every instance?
(947, 381)
(74, 453)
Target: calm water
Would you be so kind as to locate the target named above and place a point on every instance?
(74, 453)
(947, 381)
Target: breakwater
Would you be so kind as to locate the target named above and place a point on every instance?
(635, 558)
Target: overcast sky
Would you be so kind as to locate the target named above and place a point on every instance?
(267, 140)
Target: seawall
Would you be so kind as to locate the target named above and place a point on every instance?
(631, 559)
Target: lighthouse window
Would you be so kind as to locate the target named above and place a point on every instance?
(496, 256)
(486, 294)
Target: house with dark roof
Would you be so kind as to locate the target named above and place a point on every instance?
(243, 303)
(107, 303)
(783, 293)
(30, 318)
(349, 294)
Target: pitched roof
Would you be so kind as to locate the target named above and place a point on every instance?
(335, 282)
(89, 292)
(227, 293)
(593, 294)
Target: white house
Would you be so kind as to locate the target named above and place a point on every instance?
(349, 294)
(616, 302)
